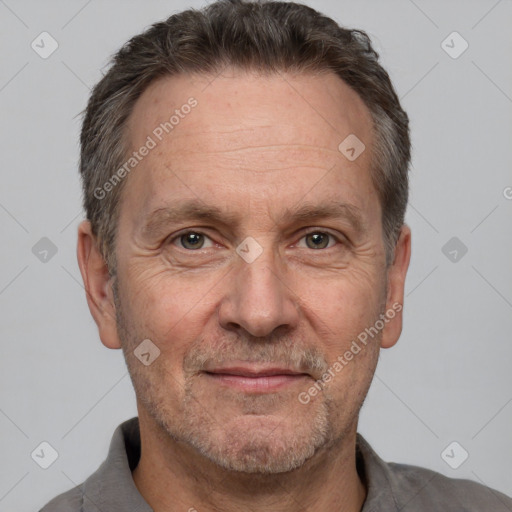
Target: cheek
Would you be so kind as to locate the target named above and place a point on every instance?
(350, 309)
(157, 295)
(170, 311)
(342, 306)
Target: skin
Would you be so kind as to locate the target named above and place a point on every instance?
(254, 146)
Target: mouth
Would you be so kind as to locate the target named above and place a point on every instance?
(255, 378)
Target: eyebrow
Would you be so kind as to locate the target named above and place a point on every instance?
(192, 210)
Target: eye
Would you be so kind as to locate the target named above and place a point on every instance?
(195, 240)
(318, 240)
(192, 240)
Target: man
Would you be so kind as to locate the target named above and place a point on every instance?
(245, 183)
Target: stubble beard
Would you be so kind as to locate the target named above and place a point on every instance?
(265, 445)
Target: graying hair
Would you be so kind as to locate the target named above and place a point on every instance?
(267, 36)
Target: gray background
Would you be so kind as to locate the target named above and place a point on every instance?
(449, 377)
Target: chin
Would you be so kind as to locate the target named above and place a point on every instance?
(261, 444)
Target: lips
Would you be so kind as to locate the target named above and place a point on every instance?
(254, 377)
(253, 372)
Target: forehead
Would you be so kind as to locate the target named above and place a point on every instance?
(235, 102)
(250, 133)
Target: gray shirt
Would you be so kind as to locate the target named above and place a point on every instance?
(391, 487)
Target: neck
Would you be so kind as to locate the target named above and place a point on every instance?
(172, 476)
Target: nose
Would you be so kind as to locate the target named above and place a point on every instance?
(259, 298)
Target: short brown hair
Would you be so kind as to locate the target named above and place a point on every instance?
(270, 36)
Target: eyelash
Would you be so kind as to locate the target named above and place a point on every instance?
(197, 232)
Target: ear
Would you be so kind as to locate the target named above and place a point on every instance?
(98, 285)
(396, 285)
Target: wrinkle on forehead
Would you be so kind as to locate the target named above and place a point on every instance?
(251, 139)
(310, 110)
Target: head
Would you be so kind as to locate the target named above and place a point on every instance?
(245, 183)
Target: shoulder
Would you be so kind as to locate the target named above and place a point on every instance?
(422, 489)
(111, 486)
(403, 487)
(69, 501)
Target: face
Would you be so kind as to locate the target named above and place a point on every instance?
(250, 253)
